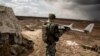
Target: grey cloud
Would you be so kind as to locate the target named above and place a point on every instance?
(75, 9)
(89, 7)
(82, 2)
(87, 2)
(5, 1)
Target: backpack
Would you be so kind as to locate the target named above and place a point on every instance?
(51, 33)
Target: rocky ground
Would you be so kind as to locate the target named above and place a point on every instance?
(36, 37)
(11, 41)
(70, 44)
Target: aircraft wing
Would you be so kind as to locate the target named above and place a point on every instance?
(79, 30)
(88, 29)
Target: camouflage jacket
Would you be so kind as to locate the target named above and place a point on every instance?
(51, 32)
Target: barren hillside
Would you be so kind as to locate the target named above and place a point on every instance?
(70, 43)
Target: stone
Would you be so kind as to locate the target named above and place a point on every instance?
(12, 43)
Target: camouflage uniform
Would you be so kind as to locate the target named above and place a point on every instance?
(51, 35)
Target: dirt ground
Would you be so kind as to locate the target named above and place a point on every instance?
(69, 44)
(36, 37)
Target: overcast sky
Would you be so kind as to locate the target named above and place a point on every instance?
(75, 9)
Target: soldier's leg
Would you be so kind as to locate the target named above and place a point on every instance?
(48, 50)
(51, 50)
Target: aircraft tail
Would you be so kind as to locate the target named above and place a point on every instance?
(89, 28)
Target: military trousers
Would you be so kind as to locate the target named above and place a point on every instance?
(51, 49)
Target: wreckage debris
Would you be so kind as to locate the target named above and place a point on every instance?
(94, 48)
(12, 43)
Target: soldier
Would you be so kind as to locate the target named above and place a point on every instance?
(51, 35)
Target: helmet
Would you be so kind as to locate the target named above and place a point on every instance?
(52, 16)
